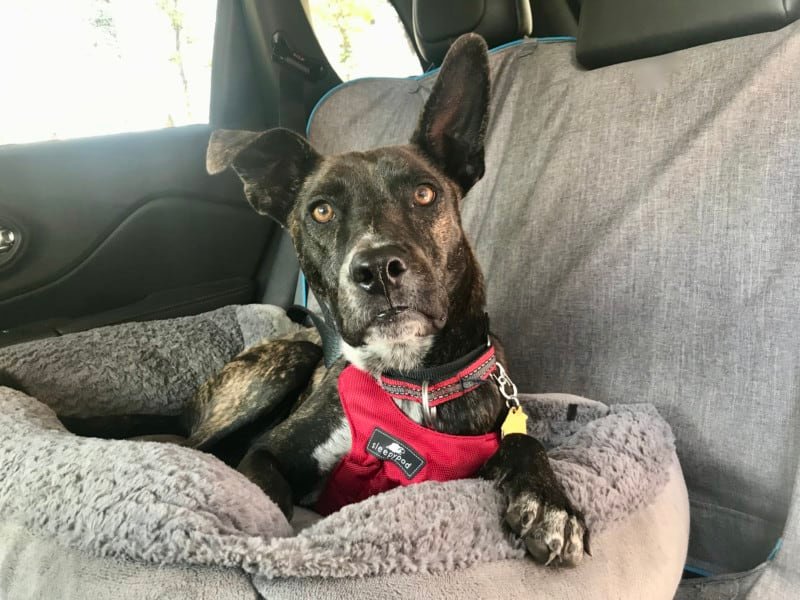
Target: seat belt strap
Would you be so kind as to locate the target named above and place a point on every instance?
(294, 73)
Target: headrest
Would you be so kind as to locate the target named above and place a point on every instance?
(613, 31)
(437, 24)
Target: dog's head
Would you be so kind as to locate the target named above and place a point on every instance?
(378, 233)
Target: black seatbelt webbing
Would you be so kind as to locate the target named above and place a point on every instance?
(291, 99)
(295, 71)
(292, 79)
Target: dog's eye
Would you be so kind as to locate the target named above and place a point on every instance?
(424, 195)
(322, 212)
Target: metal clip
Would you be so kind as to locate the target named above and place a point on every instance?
(428, 411)
(507, 387)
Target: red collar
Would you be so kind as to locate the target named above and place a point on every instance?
(443, 383)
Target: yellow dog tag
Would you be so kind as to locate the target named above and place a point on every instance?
(515, 422)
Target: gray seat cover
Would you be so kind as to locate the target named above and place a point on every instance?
(638, 226)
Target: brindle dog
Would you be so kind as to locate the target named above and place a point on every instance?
(379, 237)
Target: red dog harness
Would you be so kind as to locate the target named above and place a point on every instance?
(389, 449)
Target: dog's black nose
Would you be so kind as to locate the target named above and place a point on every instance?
(377, 270)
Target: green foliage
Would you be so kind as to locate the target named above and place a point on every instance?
(104, 23)
(171, 8)
(175, 15)
(346, 17)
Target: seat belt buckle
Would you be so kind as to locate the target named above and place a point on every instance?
(283, 54)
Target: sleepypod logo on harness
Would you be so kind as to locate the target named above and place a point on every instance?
(386, 447)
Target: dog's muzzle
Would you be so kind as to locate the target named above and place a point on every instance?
(386, 293)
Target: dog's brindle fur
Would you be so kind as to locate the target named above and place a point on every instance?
(438, 301)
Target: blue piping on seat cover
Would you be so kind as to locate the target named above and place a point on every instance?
(545, 40)
(697, 571)
(704, 573)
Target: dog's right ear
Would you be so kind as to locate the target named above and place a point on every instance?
(272, 164)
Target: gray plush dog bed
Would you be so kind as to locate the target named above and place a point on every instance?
(163, 504)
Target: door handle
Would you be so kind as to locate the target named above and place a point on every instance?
(9, 239)
(10, 243)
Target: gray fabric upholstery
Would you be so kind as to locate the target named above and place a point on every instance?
(639, 224)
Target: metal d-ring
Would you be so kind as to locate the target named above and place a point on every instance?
(428, 412)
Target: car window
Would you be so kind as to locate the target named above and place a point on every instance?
(363, 38)
(76, 68)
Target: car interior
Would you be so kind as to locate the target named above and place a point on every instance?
(652, 257)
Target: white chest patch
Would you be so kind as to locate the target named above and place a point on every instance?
(377, 355)
(331, 451)
(413, 410)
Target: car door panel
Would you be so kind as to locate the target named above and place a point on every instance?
(131, 220)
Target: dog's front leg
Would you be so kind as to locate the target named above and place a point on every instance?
(291, 461)
(538, 510)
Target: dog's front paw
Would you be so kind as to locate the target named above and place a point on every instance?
(538, 510)
(553, 534)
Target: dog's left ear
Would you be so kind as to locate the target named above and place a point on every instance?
(272, 164)
(453, 122)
